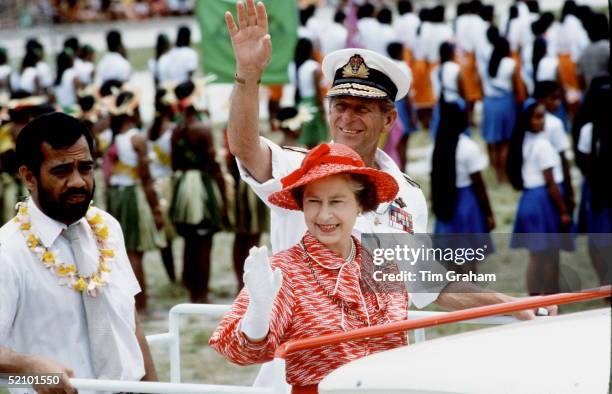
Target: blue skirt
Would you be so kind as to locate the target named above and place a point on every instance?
(499, 116)
(404, 116)
(538, 215)
(593, 221)
(469, 218)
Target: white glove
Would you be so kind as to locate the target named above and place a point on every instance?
(262, 285)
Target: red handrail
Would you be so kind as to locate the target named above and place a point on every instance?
(450, 317)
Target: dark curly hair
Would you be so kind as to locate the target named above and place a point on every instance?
(361, 185)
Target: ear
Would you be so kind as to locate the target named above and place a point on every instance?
(28, 178)
(389, 120)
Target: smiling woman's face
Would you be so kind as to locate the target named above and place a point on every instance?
(330, 211)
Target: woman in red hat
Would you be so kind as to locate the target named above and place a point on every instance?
(321, 285)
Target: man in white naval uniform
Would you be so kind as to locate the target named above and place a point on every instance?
(365, 86)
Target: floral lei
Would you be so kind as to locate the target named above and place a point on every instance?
(67, 273)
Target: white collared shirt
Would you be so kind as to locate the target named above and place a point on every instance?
(288, 227)
(177, 64)
(113, 66)
(539, 155)
(555, 132)
(42, 318)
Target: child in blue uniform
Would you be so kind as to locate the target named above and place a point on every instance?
(535, 168)
(459, 195)
(499, 106)
(549, 94)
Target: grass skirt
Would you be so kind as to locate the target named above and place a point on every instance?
(315, 130)
(129, 205)
(196, 201)
(251, 216)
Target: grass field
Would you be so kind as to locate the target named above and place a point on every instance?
(201, 364)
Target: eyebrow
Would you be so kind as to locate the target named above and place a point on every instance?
(69, 164)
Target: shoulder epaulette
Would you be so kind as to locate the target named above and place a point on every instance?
(411, 181)
(298, 149)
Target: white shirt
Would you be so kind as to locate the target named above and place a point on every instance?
(25, 81)
(288, 227)
(539, 155)
(368, 30)
(113, 66)
(45, 77)
(160, 170)
(502, 83)
(547, 69)
(40, 317)
(555, 132)
(575, 37)
(468, 160)
(306, 79)
(126, 154)
(468, 29)
(65, 92)
(585, 141)
(406, 27)
(450, 81)
(514, 34)
(386, 35)
(436, 35)
(332, 38)
(85, 71)
(176, 65)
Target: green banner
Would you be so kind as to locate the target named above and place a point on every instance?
(216, 54)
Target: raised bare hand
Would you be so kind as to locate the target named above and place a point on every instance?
(250, 39)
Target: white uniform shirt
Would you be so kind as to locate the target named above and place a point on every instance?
(450, 81)
(468, 160)
(539, 155)
(85, 71)
(514, 34)
(45, 77)
(25, 80)
(333, 38)
(127, 154)
(585, 141)
(386, 35)
(406, 27)
(159, 170)
(113, 66)
(40, 317)
(437, 33)
(502, 83)
(547, 69)
(288, 227)
(555, 132)
(572, 37)
(65, 92)
(368, 31)
(176, 65)
(306, 79)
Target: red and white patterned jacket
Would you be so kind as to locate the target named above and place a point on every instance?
(308, 305)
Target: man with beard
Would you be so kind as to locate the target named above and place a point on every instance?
(66, 285)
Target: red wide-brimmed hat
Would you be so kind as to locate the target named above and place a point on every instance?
(331, 159)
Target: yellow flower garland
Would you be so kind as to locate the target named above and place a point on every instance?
(68, 273)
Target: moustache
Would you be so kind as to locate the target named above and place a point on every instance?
(76, 192)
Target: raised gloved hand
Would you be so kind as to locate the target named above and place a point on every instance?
(262, 285)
